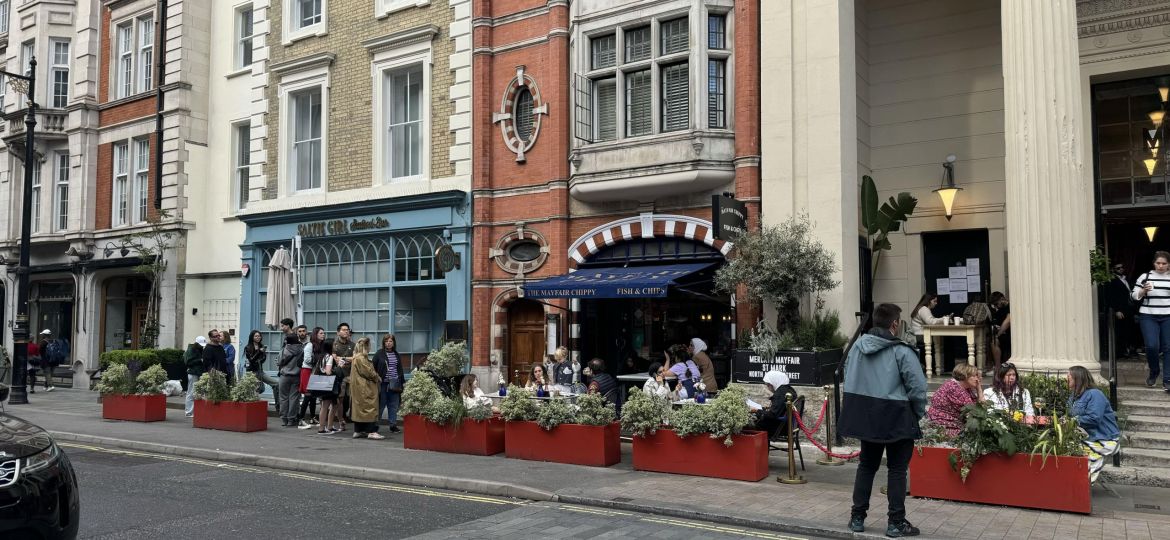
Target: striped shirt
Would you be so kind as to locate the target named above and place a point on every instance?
(1157, 301)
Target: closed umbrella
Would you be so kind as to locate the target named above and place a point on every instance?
(279, 303)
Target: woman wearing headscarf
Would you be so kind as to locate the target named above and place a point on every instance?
(773, 418)
(364, 383)
(698, 350)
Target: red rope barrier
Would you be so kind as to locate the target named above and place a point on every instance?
(808, 434)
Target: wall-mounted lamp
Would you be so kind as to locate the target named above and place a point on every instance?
(1164, 91)
(1151, 231)
(1156, 117)
(1150, 164)
(110, 247)
(948, 190)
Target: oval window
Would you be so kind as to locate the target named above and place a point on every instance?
(524, 251)
(522, 114)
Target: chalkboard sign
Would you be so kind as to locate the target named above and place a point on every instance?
(804, 368)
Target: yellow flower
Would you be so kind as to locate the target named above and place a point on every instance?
(1018, 416)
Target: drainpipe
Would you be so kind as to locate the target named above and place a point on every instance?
(160, 36)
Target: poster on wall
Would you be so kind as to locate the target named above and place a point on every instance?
(958, 272)
(973, 283)
(958, 297)
(973, 266)
(958, 285)
(942, 286)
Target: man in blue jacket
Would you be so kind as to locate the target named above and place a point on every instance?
(885, 396)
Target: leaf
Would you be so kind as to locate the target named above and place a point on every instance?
(869, 205)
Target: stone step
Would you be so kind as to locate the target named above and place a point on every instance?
(1157, 424)
(1142, 393)
(1145, 457)
(1147, 408)
(1148, 439)
(1136, 476)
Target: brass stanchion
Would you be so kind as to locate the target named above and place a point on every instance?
(828, 459)
(792, 477)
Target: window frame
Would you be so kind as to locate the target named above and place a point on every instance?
(140, 186)
(290, 84)
(144, 53)
(128, 77)
(241, 164)
(293, 32)
(56, 68)
(61, 172)
(36, 200)
(120, 185)
(5, 12)
(28, 50)
(245, 19)
(385, 63)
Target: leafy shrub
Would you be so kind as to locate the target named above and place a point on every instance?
(555, 412)
(446, 411)
(245, 388)
(987, 430)
(1053, 389)
(1062, 437)
(643, 414)
(116, 381)
(689, 420)
(150, 381)
(480, 412)
(419, 393)
(143, 357)
(727, 414)
(518, 405)
(211, 386)
(593, 410)
(448, 360)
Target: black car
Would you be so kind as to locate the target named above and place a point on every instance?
(38, 489)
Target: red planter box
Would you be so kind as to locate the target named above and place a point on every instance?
(1063, 484)
(596, 446)
(246, 416)
(477, 438)
(700, 455)
(151, 408)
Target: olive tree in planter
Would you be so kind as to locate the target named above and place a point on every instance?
(229, 408)
(556, 431)
(139, 399)
(433, 421)
(701, 440)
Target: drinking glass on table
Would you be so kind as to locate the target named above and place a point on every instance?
(1039, 403)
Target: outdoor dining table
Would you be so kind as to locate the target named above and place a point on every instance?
(976, 335)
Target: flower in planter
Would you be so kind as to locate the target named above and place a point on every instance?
(116, 381)
(246, 388)
(151, 380)
(643, 414)
(212, 386)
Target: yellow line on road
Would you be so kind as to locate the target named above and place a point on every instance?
(585, 510)
(300, 476)
(720, 528)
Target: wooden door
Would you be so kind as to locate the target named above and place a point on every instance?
(526, 342)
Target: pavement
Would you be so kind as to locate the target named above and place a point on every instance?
(817, 508)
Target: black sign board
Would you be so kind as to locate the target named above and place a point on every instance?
(729, 217)
(804, 368)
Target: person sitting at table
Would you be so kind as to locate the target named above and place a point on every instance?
(656, 385)
(536, 378)
(472, 395)
(946, 405)
(681, 367)
(1090, 408)
(774, 418)
(565, 372)
(1006, 393)
(601, 382)
(922, 315)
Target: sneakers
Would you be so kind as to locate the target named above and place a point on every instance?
(50, 389)
(394, 429)
(359, 435)
(189, 415)
(304, 425)
(857, 524)
(314, 421)
(375, 436)
(897, 530)
(1152, 380)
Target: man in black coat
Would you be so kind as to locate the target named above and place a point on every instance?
(1117, 297)
(214, 355)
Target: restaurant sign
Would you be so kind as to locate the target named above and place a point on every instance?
(729, 217)
(338, 227)
(804, 368)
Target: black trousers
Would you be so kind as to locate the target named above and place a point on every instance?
(897, 462)
(308, 404)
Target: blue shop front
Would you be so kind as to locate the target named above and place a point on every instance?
(396, 266)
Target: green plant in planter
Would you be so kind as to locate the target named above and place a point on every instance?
(593, 410)
(643, 414)
(211, 386)
(722, 417)
(116, 381)
(448, 360)
(419, 393)
(554, 413)
(245, 388)
(480, 412)
(446, 411)
(987, 430)
(518, 405)
(150, 381)
(1063, 437)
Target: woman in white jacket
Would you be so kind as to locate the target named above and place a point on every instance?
(921, 316)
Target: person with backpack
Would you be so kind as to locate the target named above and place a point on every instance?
(1152, 290)
(193, 359)
(34, 365)
(289, 368)
(681, 367)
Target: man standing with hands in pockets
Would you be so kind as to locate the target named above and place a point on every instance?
(885, 396)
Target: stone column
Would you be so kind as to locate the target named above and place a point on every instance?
(1049, 197)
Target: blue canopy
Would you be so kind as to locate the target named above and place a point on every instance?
(637, 282)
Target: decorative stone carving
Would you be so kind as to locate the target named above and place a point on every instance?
(520, 113)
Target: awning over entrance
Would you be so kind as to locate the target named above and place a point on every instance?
(636, 282)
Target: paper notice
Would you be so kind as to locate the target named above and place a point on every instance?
(973, 283)
(958, 272)
(942, 286)
(958, 297)
(958, 285)
(972, 266)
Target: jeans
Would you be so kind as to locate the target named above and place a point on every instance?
(897, 462)
(270, 381)
(189, 406)
(290, 398)
(388, 401)
(1156, 334)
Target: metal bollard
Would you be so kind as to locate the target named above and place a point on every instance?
(793, 478)
(828, 459)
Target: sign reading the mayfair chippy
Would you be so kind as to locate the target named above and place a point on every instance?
(337, 227)
(729, 217)
(802, 367)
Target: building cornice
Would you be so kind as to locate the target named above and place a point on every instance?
(410, 202)
(323, 59)
(410, 36)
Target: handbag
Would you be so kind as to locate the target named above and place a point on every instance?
(323, 383)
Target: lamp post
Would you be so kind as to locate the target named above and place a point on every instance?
(24, 84)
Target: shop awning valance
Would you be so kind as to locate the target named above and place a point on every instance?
(636, 282)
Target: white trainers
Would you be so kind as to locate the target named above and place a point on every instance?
(304, 425)
(50, 389)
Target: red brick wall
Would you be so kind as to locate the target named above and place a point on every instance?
(138, 108)
(104, 57)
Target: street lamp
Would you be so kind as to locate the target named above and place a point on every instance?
(948, 189)
(24, 84)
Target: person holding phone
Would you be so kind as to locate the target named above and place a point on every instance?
(1152, 290)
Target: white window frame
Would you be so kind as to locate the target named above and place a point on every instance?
(28, 49)
(132, 67)
(384, 8)
(36, 200)
(384, 63)
(61, 191)
(290, 84)
(120, 185)
(245, 17)
(56, 68)
(5, 11)
(241, 151)
(140, 188)
(294, 33)
(144, 53)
